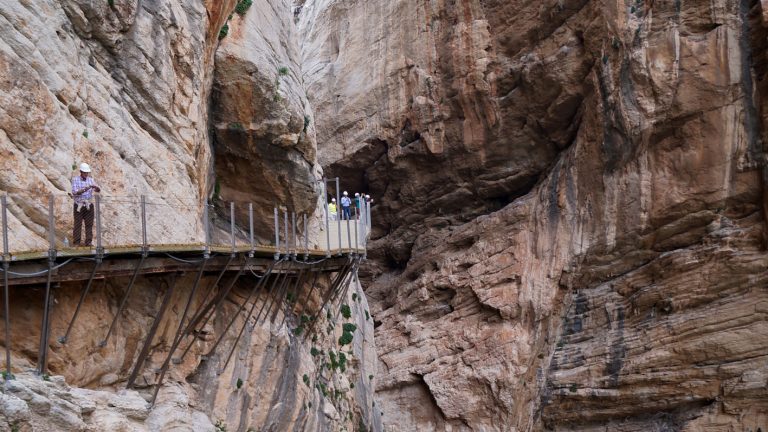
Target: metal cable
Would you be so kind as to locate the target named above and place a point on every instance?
(40, 273)
(183, 260)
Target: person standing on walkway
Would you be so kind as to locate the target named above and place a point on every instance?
(346, 203)
(83, 187)
(332, 209)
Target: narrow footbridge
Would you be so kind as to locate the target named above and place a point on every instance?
(133, 237)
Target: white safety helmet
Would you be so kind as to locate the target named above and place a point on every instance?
(357, 194)
(367, 196)
(84, 167)
(345, 193)
(333, 199)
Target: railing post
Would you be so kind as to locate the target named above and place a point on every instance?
(327, 218)
(6, 305)
(4, 205)
(51, 229)
(357, 236)
(339, 210)
(306, 238)
(277, 235)
(349, 233)
(206, 231)
(232, 224)
(295, 240)
(144, 247)
(286, 240)
(99, 246)
(250, 230)
(368, 227)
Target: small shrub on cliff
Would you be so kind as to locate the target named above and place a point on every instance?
(573, 388)
(367, 315)
(111, 3)
(239, 383)
(224, 31)
(297, 331)
(354, 296)
(345, 338)
(349, 327)
(220, 426)
(346, 312)
(306, 123)
(305, 378)
(243, 6)
(283, 71)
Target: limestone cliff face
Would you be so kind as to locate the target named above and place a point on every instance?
(264, 142)
(569, 207)
(161, 102)
(121, 85)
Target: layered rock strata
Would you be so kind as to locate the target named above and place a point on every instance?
(262, 387)
(569, 207)
(123, 86)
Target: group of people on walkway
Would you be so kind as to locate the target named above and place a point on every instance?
(346, 206)
(83, 187)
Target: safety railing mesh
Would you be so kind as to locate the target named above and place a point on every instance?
(59, 224)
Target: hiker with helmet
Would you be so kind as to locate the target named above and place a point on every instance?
(332, 209)
(345, 206)
(83, 187)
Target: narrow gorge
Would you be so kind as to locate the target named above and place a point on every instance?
(568, 228)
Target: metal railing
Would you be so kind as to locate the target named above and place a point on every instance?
(53, 225)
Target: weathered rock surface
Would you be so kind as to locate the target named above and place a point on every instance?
(264, 145)
(148, 94)
(261, 388)
(569, 207)
(124, 87)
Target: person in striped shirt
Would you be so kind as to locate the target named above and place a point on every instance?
(83, 187)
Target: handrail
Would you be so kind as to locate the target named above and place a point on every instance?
(46, 225)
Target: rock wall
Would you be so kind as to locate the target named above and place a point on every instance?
(570, 207)
(123, 86)
(184, 102)
(261, 388)
(264, 140)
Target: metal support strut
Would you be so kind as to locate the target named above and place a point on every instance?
(144, 253)
(6, 305)
(192, 325)
(247, 317)
(151, 335)
(42, 357)
(253, 290)
(123, 302)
